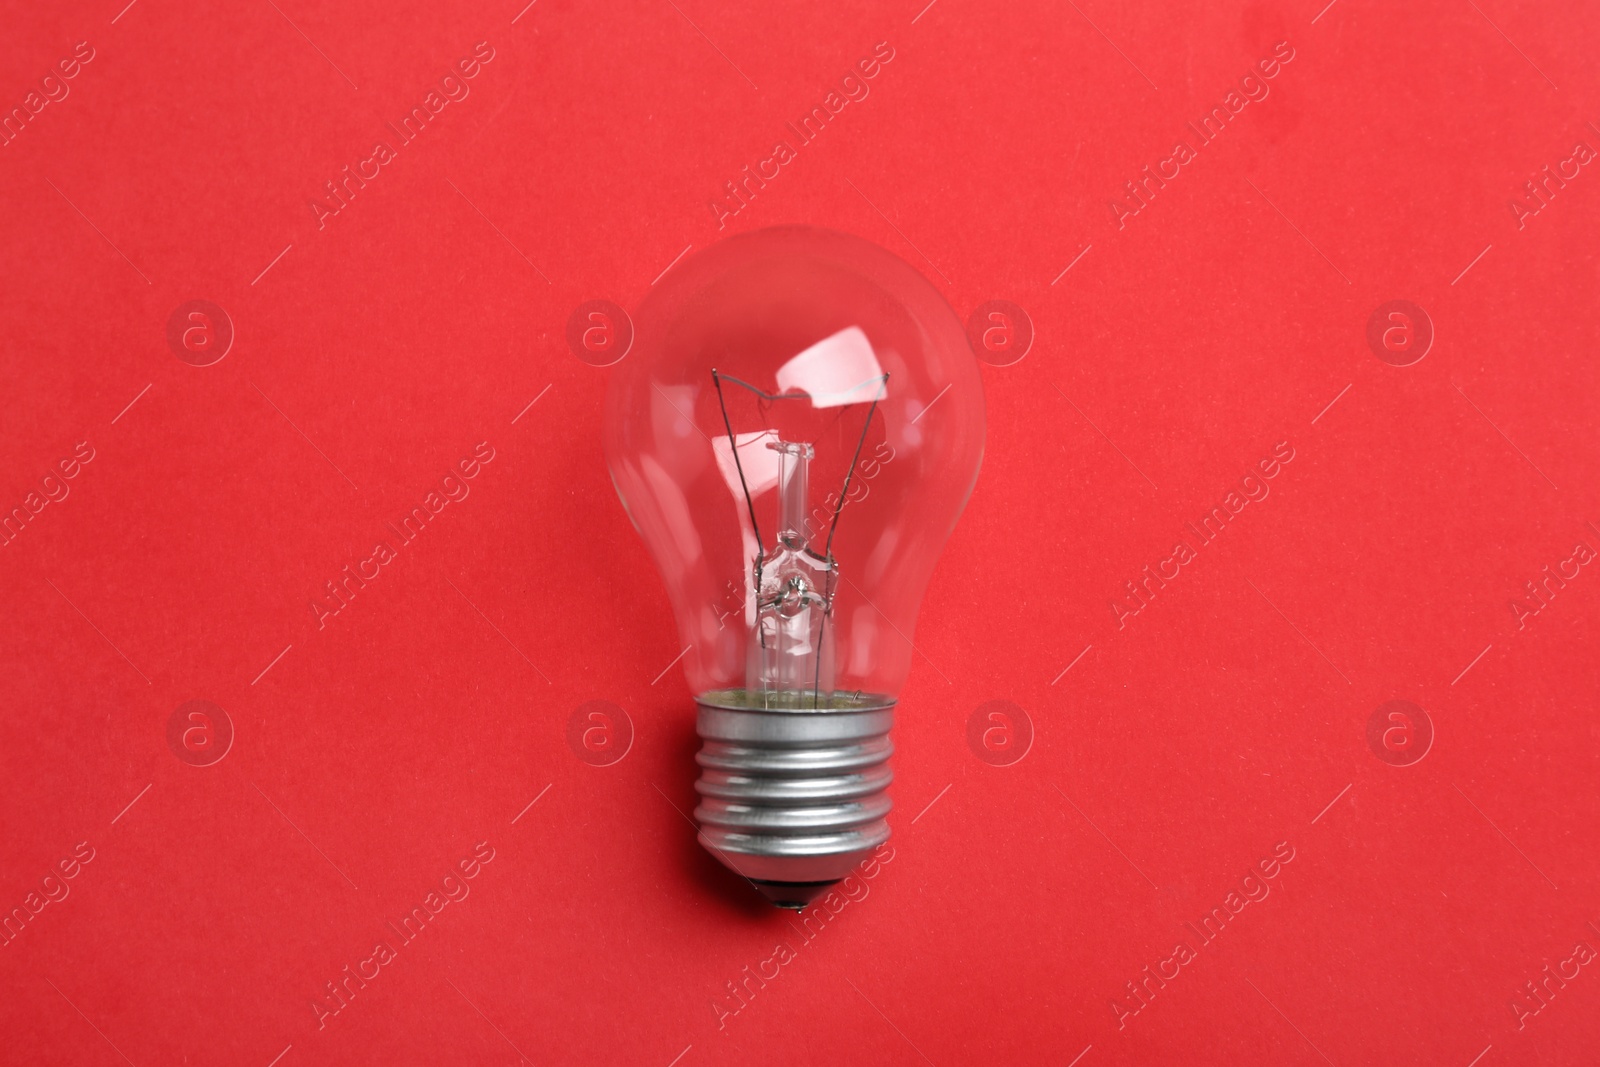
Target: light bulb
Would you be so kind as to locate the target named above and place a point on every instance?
(794, 433)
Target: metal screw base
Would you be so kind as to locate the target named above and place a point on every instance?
(793, 799)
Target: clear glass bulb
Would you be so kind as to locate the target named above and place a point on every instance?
(794, 433)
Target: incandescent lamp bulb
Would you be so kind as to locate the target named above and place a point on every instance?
(794, 433)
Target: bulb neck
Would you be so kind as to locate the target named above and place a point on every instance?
(793, 799)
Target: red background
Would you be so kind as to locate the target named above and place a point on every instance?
(378, 350)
